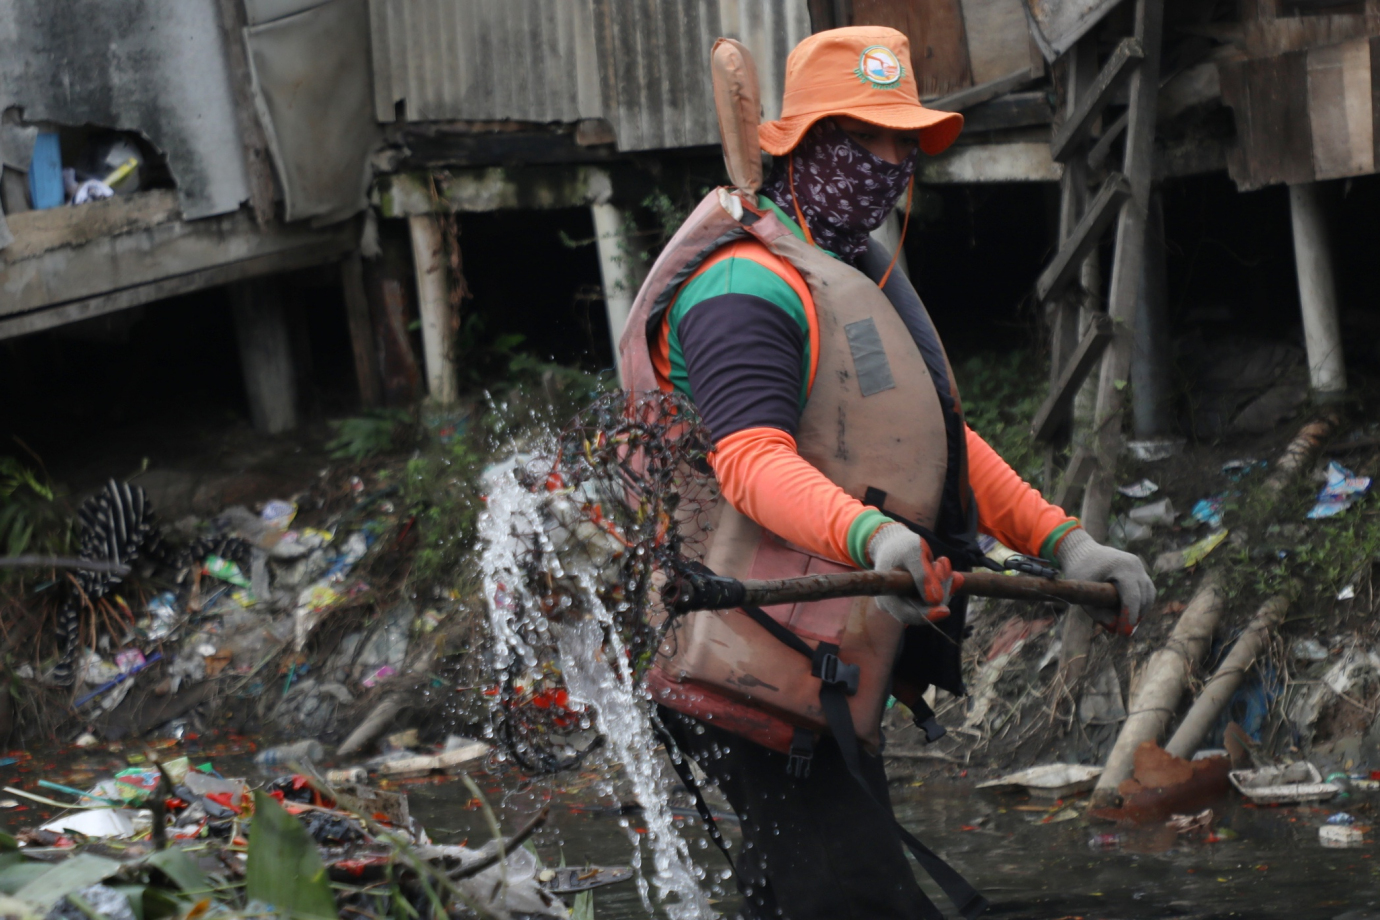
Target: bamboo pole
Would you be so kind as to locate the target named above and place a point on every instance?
(1159, 691)
(1219, 689)
(1308, 440)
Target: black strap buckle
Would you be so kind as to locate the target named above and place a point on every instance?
(802, 752)
(923, 717)
(834, 672)
(1030, 565)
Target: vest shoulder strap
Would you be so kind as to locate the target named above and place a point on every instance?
(753, 251)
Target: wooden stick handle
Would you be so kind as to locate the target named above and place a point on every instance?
(898, 581)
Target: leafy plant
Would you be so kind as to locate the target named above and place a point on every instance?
(1001, 394)
(375, 432)
(443, 482)
(29, 516)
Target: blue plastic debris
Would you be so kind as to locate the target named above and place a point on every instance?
(1341, 817)
(1341, 492)
(45, 172)
(1209, 511)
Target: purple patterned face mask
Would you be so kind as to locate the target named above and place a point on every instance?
(844, 191)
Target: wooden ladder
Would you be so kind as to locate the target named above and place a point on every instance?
(1084, 334)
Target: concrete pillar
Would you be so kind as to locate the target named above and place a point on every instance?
(1151, 358)
(619, 269)
(261, 328)
(889, 235)
(433, 305)
(1317, 290)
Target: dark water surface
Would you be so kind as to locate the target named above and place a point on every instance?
(1268, 862)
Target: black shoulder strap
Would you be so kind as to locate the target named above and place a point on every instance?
(833, 700)
(963, 895)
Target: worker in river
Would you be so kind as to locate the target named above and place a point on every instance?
(839, 444)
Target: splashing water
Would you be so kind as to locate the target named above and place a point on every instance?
(595, 666)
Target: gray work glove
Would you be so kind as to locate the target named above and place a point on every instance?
(894, 546)
(1084, 559)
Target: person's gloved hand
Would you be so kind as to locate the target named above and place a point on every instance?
(894, 546)
(1084, 559)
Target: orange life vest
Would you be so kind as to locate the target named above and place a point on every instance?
(882, 421)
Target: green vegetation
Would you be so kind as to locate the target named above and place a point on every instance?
(1282, 552)
(377, 431)
(1001, 393)
(442, 483)
(31, 518)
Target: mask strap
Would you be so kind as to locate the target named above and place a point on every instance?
(910, 197)
(800, 215)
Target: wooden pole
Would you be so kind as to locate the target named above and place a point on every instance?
(1317, 291)
(1127, 265)
(433, 303)
(265, 354)
(361, 332)
(617, 270)
(1150, 362)
(1071, 320)
(1218, 691)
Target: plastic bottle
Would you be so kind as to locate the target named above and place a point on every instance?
(287, 753)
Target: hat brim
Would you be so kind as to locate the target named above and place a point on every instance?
(937, 129)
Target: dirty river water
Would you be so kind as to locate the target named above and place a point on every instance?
(1269, 864)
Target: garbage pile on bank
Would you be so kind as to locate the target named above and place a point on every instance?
(289, 623)
(1285, 720)
(177, 838)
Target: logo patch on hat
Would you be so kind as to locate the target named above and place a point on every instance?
(879, 66)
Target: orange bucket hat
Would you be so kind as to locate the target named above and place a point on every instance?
(861, 71)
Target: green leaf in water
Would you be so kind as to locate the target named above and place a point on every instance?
(182, 869)
(81, 871)
(284, 867)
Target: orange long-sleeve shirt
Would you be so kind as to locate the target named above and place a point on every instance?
(764, 477)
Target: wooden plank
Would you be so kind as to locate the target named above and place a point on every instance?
(1115, 190)
(1014, 110)
(115, 263)
(37, 232)
(1124, 60)
(998, 38)
(938, 42)
(361, 332)
(1056, 407)
(1375, 96)
(258, 165)
(976, 95)
(1339, 110)
(318, 253)
(1098, 154)
(1079, 471)
(1274, 138)
(1025, 161)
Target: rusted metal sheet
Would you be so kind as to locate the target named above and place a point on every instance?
(641, 65)
(938, 43)
(1057, 24)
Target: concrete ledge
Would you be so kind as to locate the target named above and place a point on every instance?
(172, 257)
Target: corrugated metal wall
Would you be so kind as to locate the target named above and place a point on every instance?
(640, 64)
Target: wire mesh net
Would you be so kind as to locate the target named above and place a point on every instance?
(622, 497)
